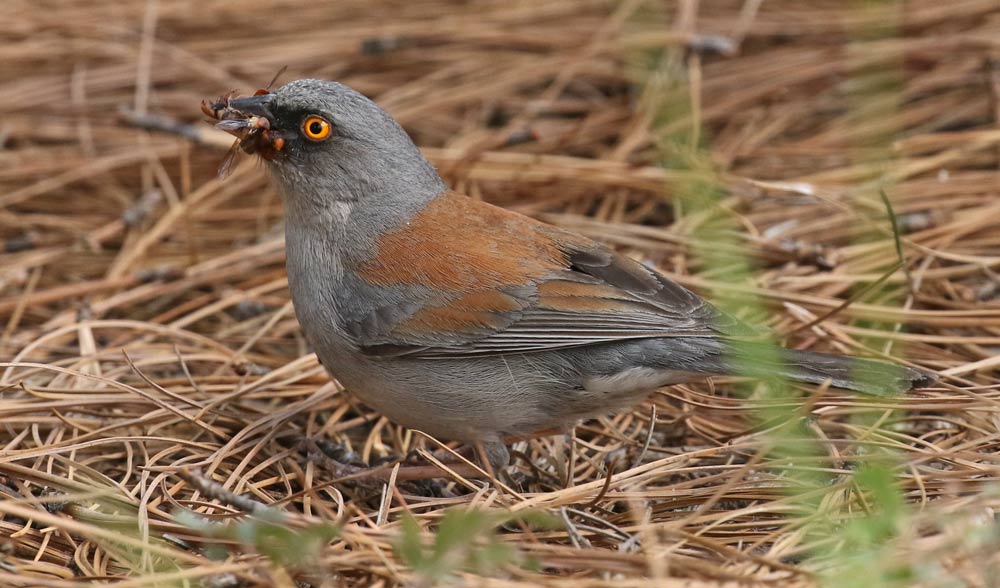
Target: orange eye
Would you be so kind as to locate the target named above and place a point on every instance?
(316, 128)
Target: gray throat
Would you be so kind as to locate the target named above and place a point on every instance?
(325, 233)
(350, 205)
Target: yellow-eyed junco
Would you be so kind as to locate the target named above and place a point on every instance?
(468, 321)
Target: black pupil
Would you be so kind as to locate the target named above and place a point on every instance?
(315, 127)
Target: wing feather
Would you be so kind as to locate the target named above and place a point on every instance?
(545, 289)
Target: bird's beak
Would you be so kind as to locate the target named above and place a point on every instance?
(251, 121)
(258, 105)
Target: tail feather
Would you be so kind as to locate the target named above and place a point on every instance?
(868, 376)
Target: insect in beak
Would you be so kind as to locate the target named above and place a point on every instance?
(249, 120)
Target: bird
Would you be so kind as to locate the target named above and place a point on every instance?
(468, 321)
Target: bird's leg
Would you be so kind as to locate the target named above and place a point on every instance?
(493, 455)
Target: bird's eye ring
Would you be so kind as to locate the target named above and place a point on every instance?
(316, 128)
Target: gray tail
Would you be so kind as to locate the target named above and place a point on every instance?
(868, 376)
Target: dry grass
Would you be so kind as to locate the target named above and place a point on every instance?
(119, 240)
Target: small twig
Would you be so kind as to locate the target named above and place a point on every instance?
(858, 295)
(649, 436)
(607, 484)
(896, 238)
(578, 540)
(198, 133)
(166, 405)
(216, 491)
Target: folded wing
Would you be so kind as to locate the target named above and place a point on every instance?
(524, 287)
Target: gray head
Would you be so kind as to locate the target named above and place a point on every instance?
(339, 149)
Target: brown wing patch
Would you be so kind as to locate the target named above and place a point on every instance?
(577, 289)
(443, 247)
(474, 312)
(585, 298)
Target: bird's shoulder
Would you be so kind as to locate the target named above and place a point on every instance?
(457, 243)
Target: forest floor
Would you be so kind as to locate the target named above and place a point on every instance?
(828, 170)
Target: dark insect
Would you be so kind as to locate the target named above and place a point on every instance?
(219, 108)
(253, 133)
